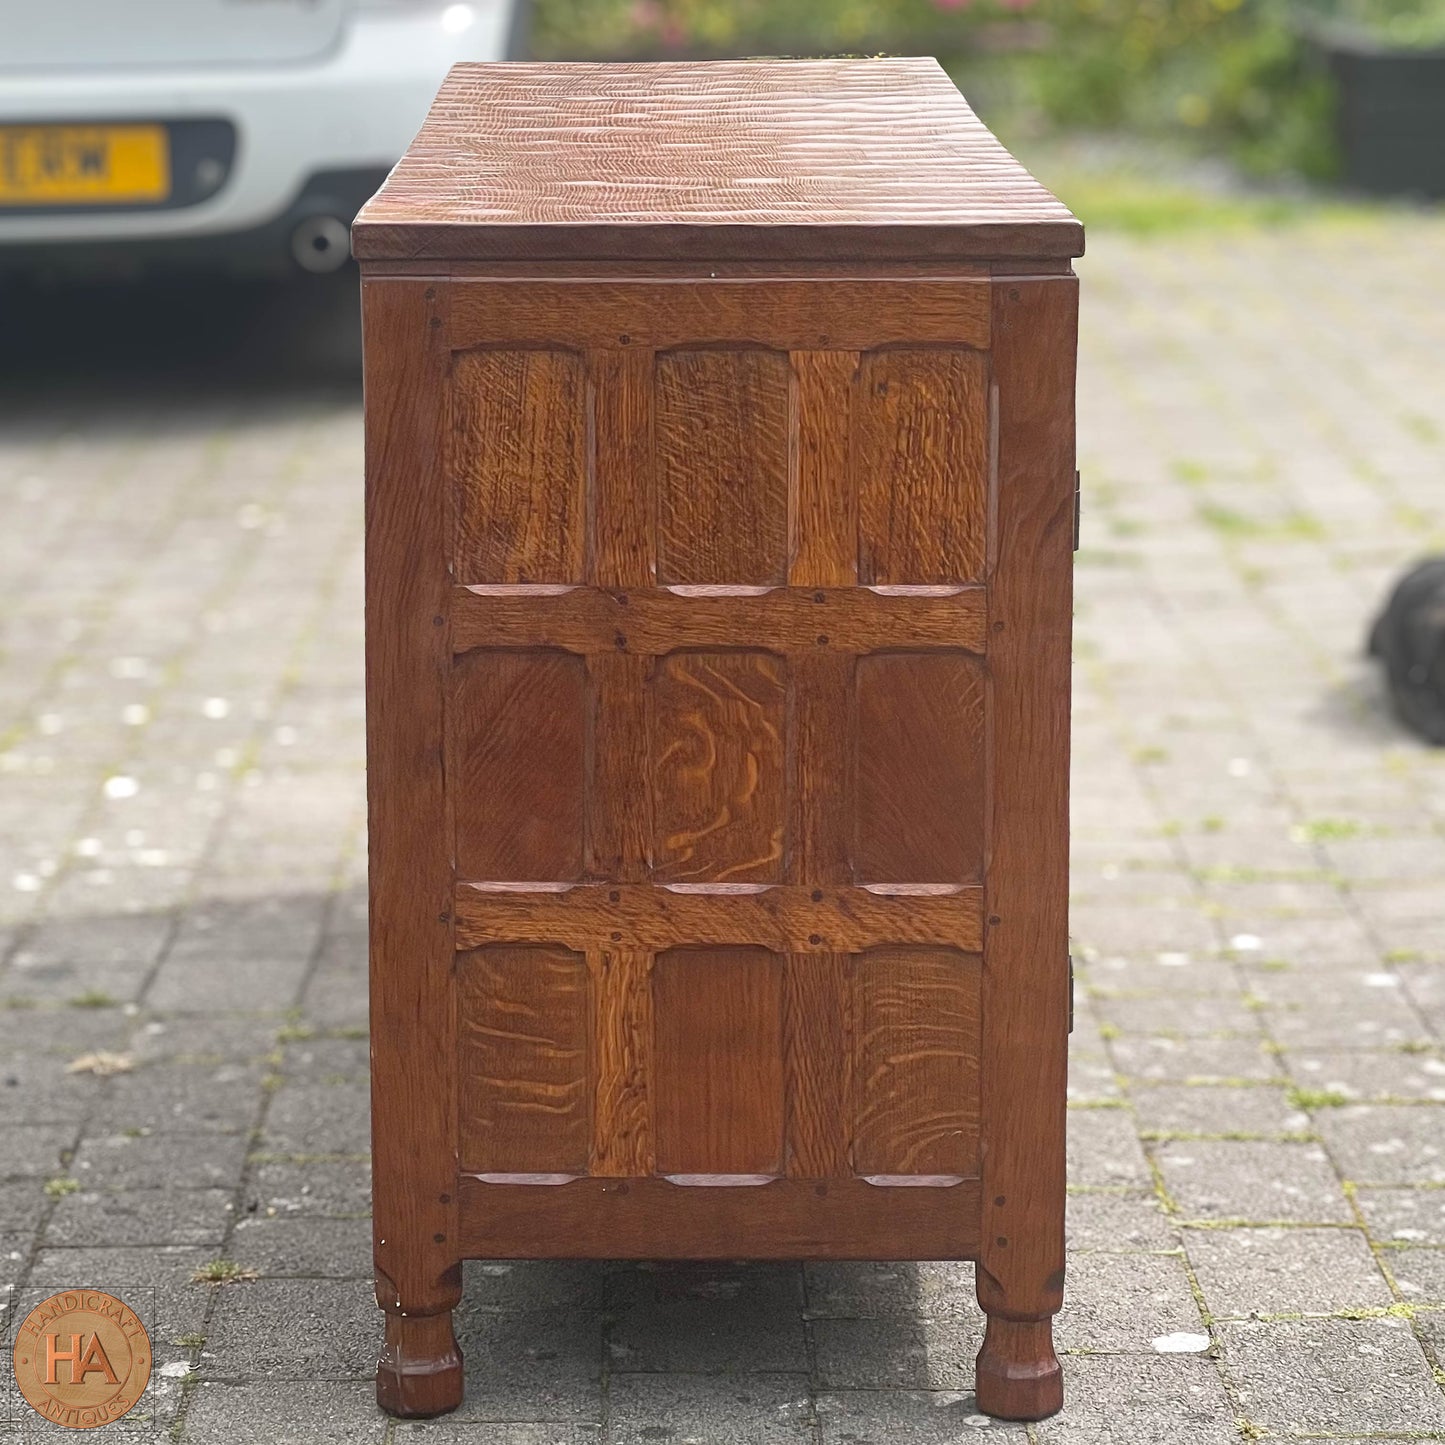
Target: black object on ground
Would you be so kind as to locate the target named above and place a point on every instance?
(1409, 636)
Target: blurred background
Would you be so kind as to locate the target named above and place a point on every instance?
(1258, 840)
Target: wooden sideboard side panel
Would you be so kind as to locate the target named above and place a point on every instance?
(724, 799)
(408, 661)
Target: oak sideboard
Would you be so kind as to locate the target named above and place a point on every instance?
(720, 505)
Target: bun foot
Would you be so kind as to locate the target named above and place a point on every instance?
(420, 1370)
(1018, 1375)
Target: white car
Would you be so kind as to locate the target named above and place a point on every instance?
(241, 132)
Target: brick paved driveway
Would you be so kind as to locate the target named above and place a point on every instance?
(1258, 1131)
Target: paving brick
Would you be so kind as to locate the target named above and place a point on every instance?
(305, 1247)
(897, 1352)
(1404, 1215)
(159, 1161)
(1104, 1148)
(1387, 1143)
(308, 1330)
(448, 1429)
(36, 1151)
(141, 1217)
(706, 1336)
(1365, 1075)
(1316, 1010)
(284, 1413)
(194, 985)
(1123, 1302)
(1419, 1274)
(848, 1290)
(1190, 1060)
(180, 1098)
(1344, 1377)
(327, 1188)
(1091, 1073)
(1215, 1109)
(922, 1417)
(732, 1409)
(1142, 1400)
(1283, 1271)
(765, 1286)
(155, 1282)
(528, 1365)
(507, 1285)
(1108, 1220)
(1249, 1180)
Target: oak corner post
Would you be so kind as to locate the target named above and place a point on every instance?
(413, 1052)
(1020, 1276)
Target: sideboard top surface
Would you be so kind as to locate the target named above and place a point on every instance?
(828, 160)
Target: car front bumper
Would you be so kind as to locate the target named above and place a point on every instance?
(305, 134)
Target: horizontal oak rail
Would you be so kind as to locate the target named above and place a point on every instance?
(800, 315)
(657, 1219)
(780, 917)
(652, 620)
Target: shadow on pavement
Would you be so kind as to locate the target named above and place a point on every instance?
(69, 343)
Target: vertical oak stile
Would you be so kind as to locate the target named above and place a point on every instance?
(408, 659)
(1025, 981)
(622, 552)
(823, 552)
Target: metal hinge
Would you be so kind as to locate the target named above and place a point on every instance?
(1071, 993)
(1078, 503)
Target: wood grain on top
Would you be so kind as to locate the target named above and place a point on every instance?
(718, 160)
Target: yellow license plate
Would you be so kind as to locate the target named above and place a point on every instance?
(84, 165)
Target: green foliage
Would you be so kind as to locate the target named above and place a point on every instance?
(570, 27)
(1237, 76)
(1404, 24)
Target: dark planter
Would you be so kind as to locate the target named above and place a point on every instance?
(1391, 118)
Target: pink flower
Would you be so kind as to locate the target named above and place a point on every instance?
(645, 14)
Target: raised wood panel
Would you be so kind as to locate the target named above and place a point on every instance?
(519, 465)
(718, 1062)
(524, 1034)
(919, 768)
(916, 1044)
(646, 621)
(784, 919)
(920, 459)
(717, 775)
(517, 766)
(721, 428)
